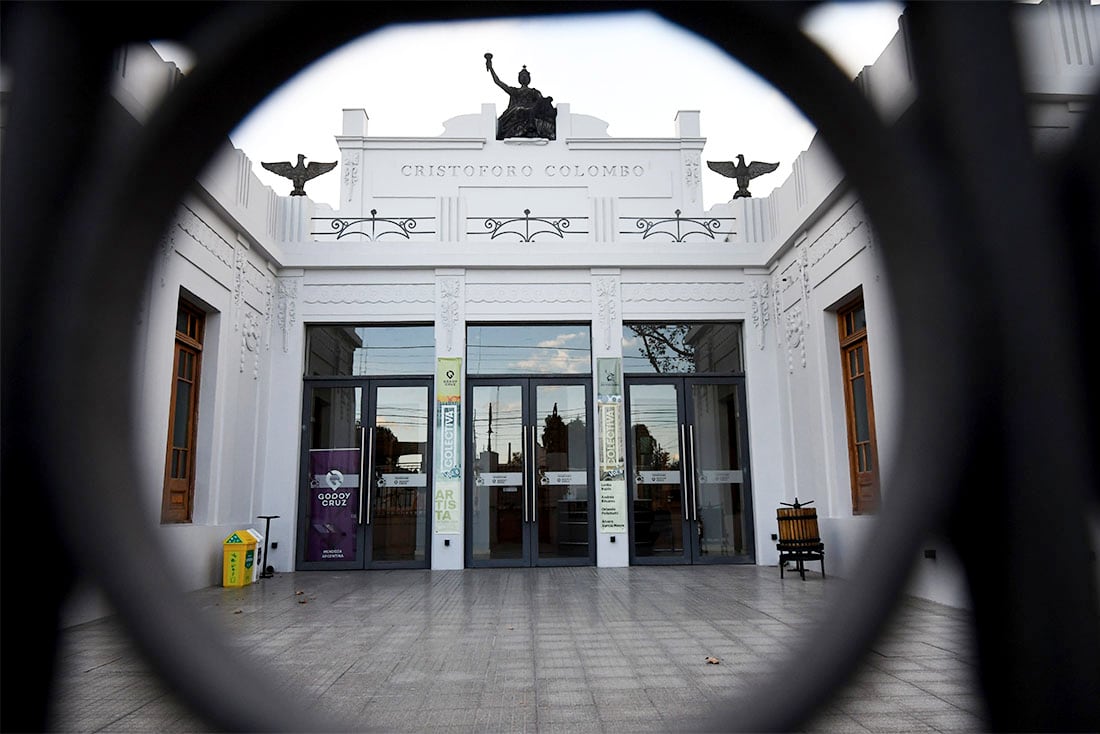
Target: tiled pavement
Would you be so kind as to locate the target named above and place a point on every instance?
(533, 650)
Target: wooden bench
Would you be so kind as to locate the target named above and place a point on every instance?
(799, 539)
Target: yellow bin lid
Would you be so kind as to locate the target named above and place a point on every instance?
(240, 536)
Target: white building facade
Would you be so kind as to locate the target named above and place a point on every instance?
(532, 351)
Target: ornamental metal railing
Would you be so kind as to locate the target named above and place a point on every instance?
(678, 229)
(526, 228)
(374, 227)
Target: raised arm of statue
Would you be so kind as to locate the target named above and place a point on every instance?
(496, 79)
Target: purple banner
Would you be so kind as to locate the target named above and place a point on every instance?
(334, 504)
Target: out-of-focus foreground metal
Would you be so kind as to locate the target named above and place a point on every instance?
(990, 281)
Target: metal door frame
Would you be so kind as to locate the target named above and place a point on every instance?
(692, 554)
(529, 557)
(368, 411)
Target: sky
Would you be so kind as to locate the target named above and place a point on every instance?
(633, 70)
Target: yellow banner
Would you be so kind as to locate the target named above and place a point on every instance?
(448, 379)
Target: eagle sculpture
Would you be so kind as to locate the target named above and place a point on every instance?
(299, 173)
(742, 172)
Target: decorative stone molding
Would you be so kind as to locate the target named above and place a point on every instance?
(201, 233)
(607, 305)
(364, 294)
(788, 276)
(351, 175)
(796, 337)
(777, 305)
(848, 224)
(449, 219)
(450, 290)
(250, 342)
(167, 247)
(286, 309)
(269, 306)
(760, 296)
(804, 281)
(692, 176)
(675, 292)
(244, 178)
(528, 293)
(239, 259)
(603, 218)
(798, 173)
(254, 277)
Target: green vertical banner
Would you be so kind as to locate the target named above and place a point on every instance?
(609, 397)
(447, 498)
(610, 374)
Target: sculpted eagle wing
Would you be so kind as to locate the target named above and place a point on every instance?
(316, 169)
(726, 168)
(756, 168)
(282, 168)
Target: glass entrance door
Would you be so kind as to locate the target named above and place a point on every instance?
(364, 498)
(688, 475)
(530, 481)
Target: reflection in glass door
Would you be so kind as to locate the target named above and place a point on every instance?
(658, 525)
(687, 471)
(365, 508)
(530, 482)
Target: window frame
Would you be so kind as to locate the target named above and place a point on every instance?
(865, 485)
(737, 325)
(190, 342)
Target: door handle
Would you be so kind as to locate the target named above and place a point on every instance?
(526, 517)
(364, 479)
(685, 467)
(534, 484)
(694, 488)
(362, 471)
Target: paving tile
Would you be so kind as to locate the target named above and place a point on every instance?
(565, 698)
(546, 672)
(612, 670)
(834, 724)
(568, 714)
(561, 685)
(570, 727)
(869, 705)
(501, 698)
(892, 723)
(956, 721)
(669, 678)
(614, 714)
(532, 650)
(966, 701)
(623, 683)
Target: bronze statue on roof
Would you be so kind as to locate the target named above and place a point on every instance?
(299, 173)
(529, 114)
(741, 172)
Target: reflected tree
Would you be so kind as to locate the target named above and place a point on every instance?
(649, 452)
(386, 449)
(554, 436)
(664, 345)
